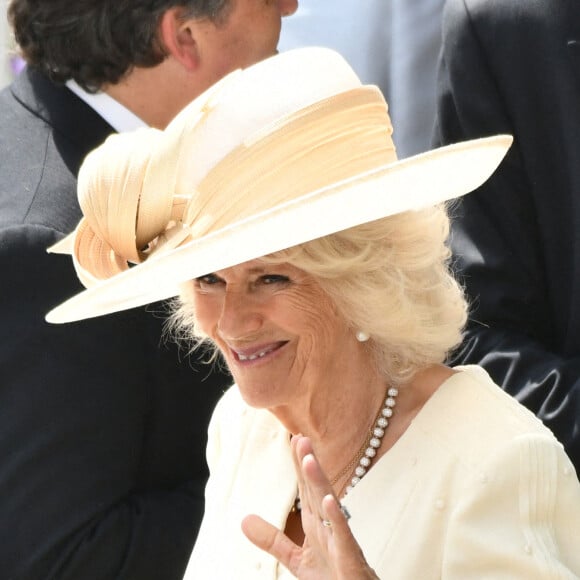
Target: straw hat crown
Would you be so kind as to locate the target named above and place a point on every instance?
(285, 151)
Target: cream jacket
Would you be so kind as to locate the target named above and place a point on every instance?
(476, 488)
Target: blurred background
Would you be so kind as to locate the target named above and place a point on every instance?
(390, 43)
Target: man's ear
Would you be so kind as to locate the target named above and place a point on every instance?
(178, 38)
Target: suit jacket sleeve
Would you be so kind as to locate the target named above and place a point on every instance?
(500, 237)
(72, 437)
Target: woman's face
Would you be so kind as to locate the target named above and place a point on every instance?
(279, 332)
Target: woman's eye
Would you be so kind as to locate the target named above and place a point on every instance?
(208, 280)
(274, 279)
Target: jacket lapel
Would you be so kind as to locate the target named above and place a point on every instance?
(70, 116)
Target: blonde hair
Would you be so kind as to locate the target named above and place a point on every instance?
(390, 278)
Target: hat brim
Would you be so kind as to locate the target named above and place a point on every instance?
(414, 183)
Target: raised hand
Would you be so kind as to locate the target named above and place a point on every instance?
(329, 551)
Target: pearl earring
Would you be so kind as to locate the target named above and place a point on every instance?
(362, 336)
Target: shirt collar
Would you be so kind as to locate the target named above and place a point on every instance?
(117, 115)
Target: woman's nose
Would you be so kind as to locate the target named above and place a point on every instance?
(288, 7)
(240, 316)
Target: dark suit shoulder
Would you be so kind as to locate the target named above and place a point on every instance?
(45, 133)
(493, 18)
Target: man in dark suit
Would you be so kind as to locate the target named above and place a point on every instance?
(514, 67)
(102, 424)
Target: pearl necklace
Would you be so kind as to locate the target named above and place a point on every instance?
(376, 438)
(370, 447)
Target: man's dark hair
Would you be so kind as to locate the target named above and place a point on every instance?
(97, 42)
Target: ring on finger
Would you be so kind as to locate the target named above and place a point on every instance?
(327, 523)
(345, 512)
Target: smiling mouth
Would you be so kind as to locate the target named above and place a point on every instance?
(257, 354)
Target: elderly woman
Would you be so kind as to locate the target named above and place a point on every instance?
(316, 263)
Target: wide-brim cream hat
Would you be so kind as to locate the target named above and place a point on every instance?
(286, 151)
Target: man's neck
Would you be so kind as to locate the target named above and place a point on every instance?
(155, 94)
